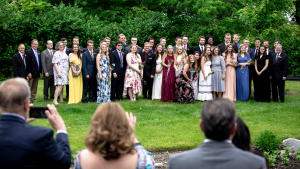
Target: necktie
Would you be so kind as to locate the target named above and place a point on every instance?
(37, 58)
(201, 49)
(277, 56)
(92, 55)
(184, 47)
(24, 59)
(51, 53)
(121, 59)
(256, 51)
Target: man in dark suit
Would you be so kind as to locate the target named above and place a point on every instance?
(89, 72)
(149, 60)
(121, 38)
(276, 42)
(118, 62)
(133, 42)
(178, 41)
(67, 51)
(19, 63)
(34, 67)
(279, 64)
(250, 51)
(227, 39)
(236, 44)
(266, 44)
(218, 122)
(200, 47)
(76, 41)
(188, 49)
(47, 65)
(26, 146)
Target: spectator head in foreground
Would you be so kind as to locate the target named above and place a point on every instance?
(23, 145)
(111, 142)
(241, 138)
(218, 122)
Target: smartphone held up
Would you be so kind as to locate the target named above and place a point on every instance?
(38, 112)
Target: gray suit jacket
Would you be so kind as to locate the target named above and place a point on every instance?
(127, 49)
(175, 48)
(46, 61)
(216, 155)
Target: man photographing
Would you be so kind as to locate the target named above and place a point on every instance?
(26, 146)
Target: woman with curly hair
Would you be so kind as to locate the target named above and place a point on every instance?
(111, 142)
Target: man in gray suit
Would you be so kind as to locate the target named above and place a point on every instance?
(217, 151)
(46, 59)
(133, 42)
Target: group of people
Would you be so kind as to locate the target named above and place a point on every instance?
(111, 142)
(177, 73)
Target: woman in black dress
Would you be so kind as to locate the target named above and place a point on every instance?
(261, 81)
(184, 92)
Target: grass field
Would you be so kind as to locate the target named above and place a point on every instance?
(169, 126)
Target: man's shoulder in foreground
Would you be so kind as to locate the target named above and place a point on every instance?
(217, 155)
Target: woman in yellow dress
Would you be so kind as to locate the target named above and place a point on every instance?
(75, 77)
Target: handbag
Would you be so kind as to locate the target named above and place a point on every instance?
(76, 68)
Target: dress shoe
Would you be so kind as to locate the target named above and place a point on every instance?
(84, 102)
(91, 101)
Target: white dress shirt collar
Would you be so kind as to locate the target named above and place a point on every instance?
(21, 54)
(12, 114)
(201, 46)
(209, 140)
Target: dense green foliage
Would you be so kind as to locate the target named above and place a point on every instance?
(267, 141)
(23, 20)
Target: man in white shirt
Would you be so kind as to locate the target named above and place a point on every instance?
(26, 146)
(218, 122)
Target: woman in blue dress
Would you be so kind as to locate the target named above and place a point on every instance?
(242, 74)
(103, 75)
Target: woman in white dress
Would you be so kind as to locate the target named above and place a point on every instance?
(204, 91)
(180, 58)
(157, 82)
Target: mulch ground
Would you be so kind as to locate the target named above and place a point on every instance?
(162, 157)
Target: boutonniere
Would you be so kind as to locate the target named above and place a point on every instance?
(123, 53)
(24, 54)
(279, 57)
(80, 49)
(249, 49)
(188, 48)
(54, 51)
(138, 46)
(68, 49)
(109, 48)
(233, 44)
(149, 54)
(94, 52)
(38, 53)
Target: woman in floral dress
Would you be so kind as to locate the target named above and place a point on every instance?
(132, 82)
(103, 75)
(60, 62)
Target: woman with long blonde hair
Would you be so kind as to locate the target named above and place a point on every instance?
(168, 81)
(180, 59)
(103, 75)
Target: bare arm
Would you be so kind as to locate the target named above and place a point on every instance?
(185, 68)
(202, 66)
(163, 62)
(98, 66)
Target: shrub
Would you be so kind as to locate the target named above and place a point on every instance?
(267, 142)
(271, 157)
(284, 156)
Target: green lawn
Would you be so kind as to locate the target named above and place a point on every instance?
(167, 126)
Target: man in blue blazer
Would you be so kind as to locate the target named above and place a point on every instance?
(26, 146)
(118, 62)
(89, 72)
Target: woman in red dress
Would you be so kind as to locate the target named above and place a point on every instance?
(168, 81)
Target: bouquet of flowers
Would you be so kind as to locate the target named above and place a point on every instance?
(249, 61)
(210, 73)
(110, 68)
(142, 65)
(235, 62)
(182, 58)
(170, 61)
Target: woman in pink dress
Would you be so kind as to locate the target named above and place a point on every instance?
(168, 81)
(230, 79)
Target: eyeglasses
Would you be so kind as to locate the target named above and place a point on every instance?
(119, 45)
(147, 46)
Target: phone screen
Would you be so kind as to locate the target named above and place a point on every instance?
(37, 112)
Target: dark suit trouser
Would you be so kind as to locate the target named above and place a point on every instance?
(33, 84)
(88, 86)
(280, 84)
(147, 87)
(49, 83)
(117, 85)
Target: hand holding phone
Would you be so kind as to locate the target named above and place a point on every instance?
(38, 112)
